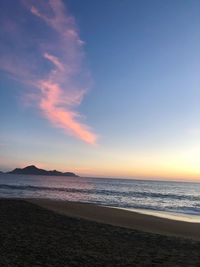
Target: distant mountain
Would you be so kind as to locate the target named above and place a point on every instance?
(1, 172)
(33, 170)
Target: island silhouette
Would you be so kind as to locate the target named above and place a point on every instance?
(33, 170)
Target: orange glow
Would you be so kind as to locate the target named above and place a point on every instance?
(102, 163)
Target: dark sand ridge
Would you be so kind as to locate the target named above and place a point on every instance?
(122, 218)
(33, 236)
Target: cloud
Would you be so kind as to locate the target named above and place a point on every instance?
(55, 61)
(48, 55)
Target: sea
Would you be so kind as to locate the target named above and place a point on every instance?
(161, 198)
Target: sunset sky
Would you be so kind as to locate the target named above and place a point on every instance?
(106, 88)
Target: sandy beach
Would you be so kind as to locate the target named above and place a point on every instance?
(33, 234)
(122, 218)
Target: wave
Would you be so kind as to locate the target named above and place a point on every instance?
(140, 194)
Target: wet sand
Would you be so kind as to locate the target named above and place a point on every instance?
(31, 235)
(123, 218)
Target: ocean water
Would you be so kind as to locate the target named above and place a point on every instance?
(173, 197)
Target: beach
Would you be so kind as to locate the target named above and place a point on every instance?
(43, 232)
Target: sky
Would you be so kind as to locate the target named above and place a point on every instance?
(105, 88)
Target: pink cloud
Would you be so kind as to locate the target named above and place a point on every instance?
(55, 61)
(52, 62)
(51, 104)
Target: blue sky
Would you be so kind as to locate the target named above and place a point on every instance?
(141, 103)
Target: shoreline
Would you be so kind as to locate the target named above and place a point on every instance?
(171, 215)
(122, 217)
(185, 217)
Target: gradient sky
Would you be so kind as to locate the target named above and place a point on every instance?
(101, 88)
